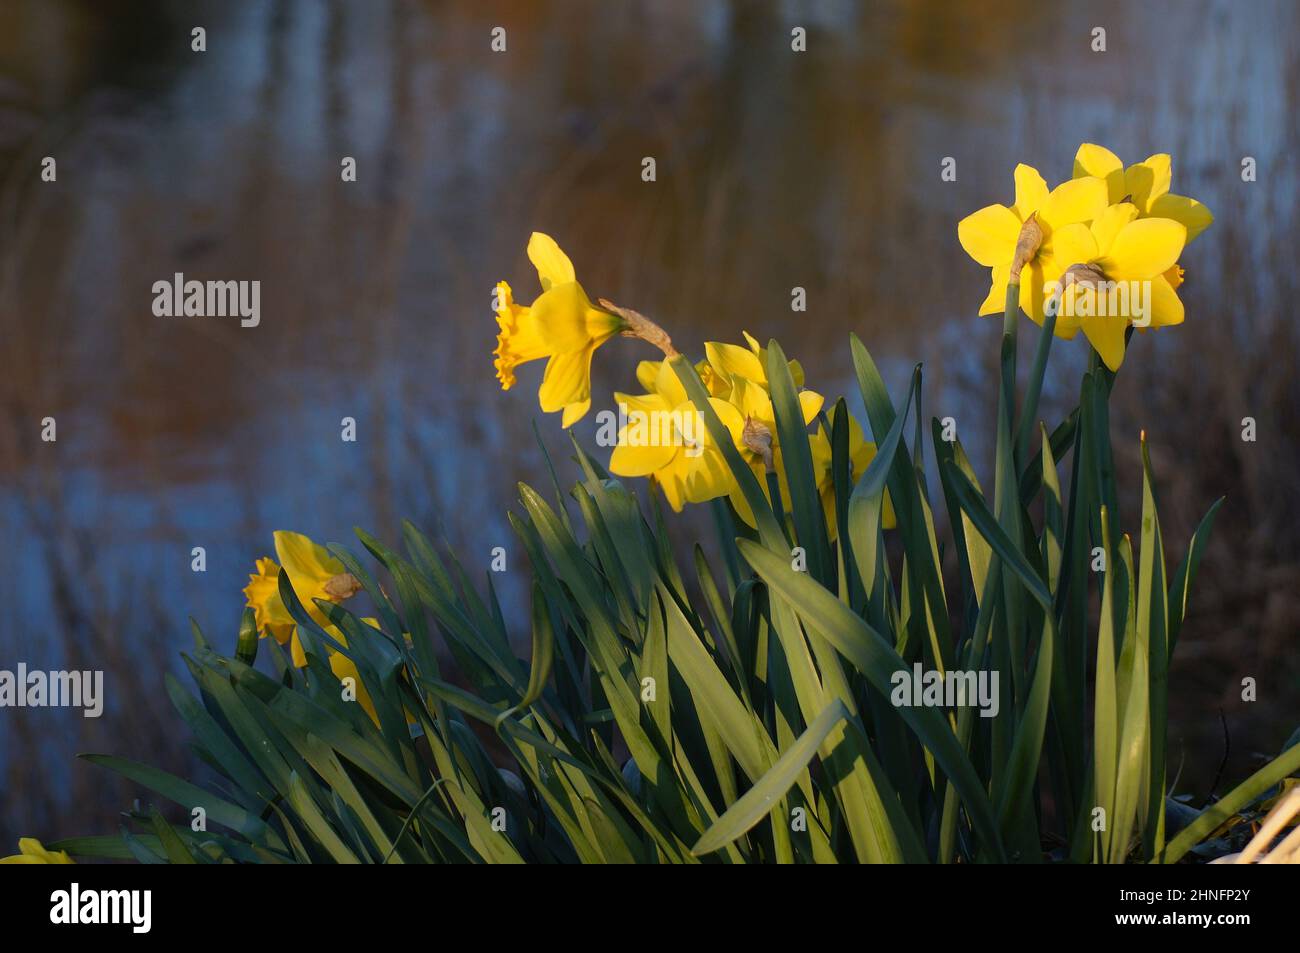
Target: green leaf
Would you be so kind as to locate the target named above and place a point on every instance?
(189, 796)
(757, 802)
(973, 505)
(796, 460)
(1185, 574)
(876, 659)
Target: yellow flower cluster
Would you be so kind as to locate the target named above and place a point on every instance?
(675, 450)
(1100, 250)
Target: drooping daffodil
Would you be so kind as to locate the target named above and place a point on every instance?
(561, 325)
(313, 574)
(992, 235)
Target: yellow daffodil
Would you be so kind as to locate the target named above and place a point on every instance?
(991, 234)
(31, 851)
(861, 452)
(1118, 278)
(313, 573)
(667, 440)
(561, 325)
(1146, 186)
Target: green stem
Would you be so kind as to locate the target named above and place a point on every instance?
(1036, 374)
(1006, 509)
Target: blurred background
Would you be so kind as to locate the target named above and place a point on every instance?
(775, 170)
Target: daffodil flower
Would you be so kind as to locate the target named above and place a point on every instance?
(861, 452)
(1122, 248)
(32, 851)
(682, 458)
(561, 325)
(313, 573)
(1146, 186)
(991, 235)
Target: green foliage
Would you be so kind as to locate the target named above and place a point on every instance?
(732, 713)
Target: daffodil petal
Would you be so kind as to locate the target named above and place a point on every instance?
(735, 361)
(751, 399)
(1069, 245)
(567, 380)
(1166, 306)
(669, 386)
(1067, 321)
(1109, 224)
(731, 418)
(644, 403)
(646, 372)
(996, 301)
(560, 316)
(1078, 200)
(1106, 335)
(307, 563)
(637, 461)
(1033, 289)
(1143, 249)
(1147, 181)
(811, 403)
(989, 235)
(671, 485)
(1031, 191)
(1187, 212)
(553, 265)
(574, 412)
(1099, 161)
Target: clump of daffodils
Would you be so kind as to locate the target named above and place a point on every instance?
(664, 438)
(1098, 253)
